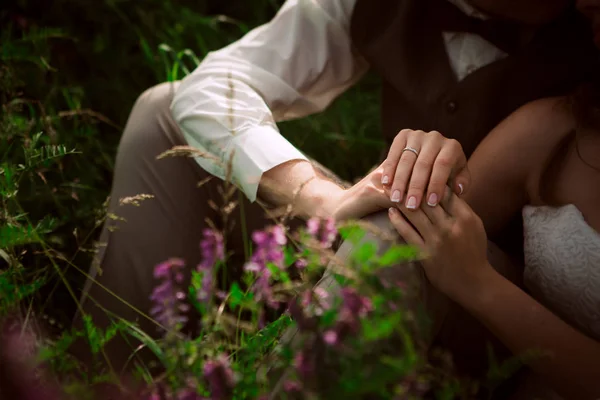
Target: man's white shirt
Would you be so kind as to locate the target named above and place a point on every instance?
(291, 67)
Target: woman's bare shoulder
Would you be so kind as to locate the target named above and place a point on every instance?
(541, 124)
(516, 150)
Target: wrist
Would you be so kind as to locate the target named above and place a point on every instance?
(318, 197)
(475, 294)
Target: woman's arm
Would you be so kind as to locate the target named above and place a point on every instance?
(457, 265)
(506, 166)
(568, 360)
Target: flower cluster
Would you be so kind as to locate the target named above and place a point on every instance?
(322, 230)
(220, 377)
(169, 307)
(217, 374)
(213, 251)
(269, 251)
(354, 308)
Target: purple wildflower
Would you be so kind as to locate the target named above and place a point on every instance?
(169, 306)
(330, 337)
(324, 231)
(313, 225)
(301, 263)
(213, 251)
(189, 394)
(291, 386)
(269, 250)
(153, 396)
(354, 307)
(354, 304)
(329, 233)
(304, 364)
(212, 248)
(323, 300)
(220, 378)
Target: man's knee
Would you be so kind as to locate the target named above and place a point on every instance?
(157, 97)
(150, 126)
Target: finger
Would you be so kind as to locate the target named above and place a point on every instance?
(450, 158)
(459, 210)
(391, 161)
(462, 181)
(438, 216)
(405, 166)
(422, 169)
(405, 230)
(449, 202)
(420, 221)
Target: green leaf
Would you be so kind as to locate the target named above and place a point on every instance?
(397, 254)
(381, 328)
(143, 337)
(365, 253)
(352, 233)
(13, 235)
(236, 295)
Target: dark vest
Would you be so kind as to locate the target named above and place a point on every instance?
(420, 90)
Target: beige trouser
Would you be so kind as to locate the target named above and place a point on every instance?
(171, 225)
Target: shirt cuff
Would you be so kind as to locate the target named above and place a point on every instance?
(258, 150)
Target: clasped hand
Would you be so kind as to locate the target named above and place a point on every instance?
(413, 185)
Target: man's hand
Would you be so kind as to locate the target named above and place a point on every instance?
(362, 199)
(313, 195)
(420, 163)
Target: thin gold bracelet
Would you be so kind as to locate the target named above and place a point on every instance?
(302, 185)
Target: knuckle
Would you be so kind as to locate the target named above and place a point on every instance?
(399, 184)
(444, 162)
(423, 163)
(455, 145)
(468, 220)
(435, 134)
(402, 134)
(436, 185)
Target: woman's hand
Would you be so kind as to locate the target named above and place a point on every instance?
(419, 165)
(452, 239)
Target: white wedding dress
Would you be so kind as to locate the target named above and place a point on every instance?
(562, 264)
(562, 271)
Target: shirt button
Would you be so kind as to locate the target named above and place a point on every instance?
(451, 106)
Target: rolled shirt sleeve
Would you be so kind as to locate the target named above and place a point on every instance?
(291, 67)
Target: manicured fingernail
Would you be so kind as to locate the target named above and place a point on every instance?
(462, 189)
(411, 203)
(392, 211)
(396, 196)
(385, 180)
(433, 199)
